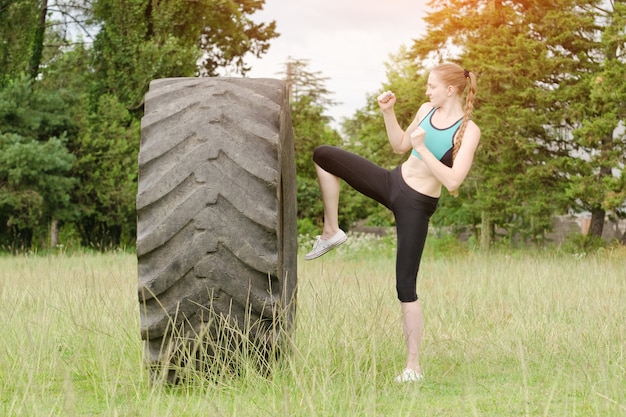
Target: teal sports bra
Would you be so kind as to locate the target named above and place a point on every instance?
(438, 141)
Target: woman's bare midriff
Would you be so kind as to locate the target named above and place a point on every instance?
(419, 177)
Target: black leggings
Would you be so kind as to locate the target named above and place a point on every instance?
(411, 209)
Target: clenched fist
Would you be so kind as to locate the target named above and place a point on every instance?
(386, 100)
(417, 138)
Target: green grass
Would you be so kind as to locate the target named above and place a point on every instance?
(518, 334)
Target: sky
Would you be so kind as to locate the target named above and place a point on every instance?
(346, 41)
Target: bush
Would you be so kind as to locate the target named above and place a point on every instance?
(582, 244)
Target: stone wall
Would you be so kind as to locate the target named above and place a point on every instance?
(563, 226)
(566, 225)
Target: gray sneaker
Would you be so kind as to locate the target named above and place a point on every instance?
(322, 246)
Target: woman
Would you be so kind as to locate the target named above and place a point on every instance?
(442, 140)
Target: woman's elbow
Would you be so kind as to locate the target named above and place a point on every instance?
(452, 185)
(402, 148)
(399, 151)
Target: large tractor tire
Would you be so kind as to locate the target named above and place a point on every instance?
(216, 222)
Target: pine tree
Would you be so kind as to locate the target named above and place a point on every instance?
(532, 60)
(309, 99)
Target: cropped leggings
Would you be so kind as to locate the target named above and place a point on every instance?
(411, 209)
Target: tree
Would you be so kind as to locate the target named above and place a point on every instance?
(309, 100)
(135, 44)
(142, 40)
(366, 134)
(596, 113)
(529, 56)
(229, 35)
(105, 144)
(35, 184)
(17, 22)
(38, 41)
(107, 168)
(98, 87)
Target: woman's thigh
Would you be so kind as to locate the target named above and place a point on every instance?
(361, 174)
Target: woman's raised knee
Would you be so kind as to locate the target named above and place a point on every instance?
(322, 153)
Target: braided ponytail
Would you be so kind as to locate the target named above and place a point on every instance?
(469, 107)
(453, 74)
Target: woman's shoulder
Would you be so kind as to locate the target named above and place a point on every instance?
(472, 130)
(426, 106)
(472, 125)
(424, 109)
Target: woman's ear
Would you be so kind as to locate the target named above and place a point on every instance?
(451, 90)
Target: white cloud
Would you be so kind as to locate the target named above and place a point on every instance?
(347, 41)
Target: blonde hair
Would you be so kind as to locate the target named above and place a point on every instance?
(454, 75)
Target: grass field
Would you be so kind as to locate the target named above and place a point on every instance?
(517, 334)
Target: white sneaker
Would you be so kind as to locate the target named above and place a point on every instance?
(409, 375)
(322, 246)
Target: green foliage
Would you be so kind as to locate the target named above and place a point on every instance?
(306, 229)
(17, 22)
(229, 35)
(366, 129)
(551, 102)
(29, 111)
(106, 167)
(311, 128)
(35, 164)
(128, 56)
(91, 95)
(445, 246)
(34, 187)
(538, 66)
(366, 135)
(140, 41)
(581, 245)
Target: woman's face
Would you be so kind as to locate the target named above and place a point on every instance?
(436, 90)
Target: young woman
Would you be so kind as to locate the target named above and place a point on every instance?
(442, 140)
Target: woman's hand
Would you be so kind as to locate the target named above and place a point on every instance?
(386, 100)
(417, 139)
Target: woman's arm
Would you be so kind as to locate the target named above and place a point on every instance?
(451, 178)
(399, 139)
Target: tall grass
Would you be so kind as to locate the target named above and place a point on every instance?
(518, 334)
